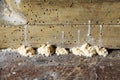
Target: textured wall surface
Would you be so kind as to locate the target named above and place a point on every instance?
(46, 19)
(13, 66)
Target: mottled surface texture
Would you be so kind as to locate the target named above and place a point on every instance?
(46, 19)
(68, 67)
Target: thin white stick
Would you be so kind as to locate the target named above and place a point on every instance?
(101, 29)
(100, 36)
(78, 37)
(63, 37)
(89, 40)
(89, 28)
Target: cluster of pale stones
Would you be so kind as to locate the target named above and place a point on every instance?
(86, 50)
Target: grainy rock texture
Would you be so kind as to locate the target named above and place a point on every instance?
(68, 67)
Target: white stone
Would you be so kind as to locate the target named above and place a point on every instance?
(101, 51)
(77, 51)
(46, 50)
(61, 51)
(26, 51)
(88, 50)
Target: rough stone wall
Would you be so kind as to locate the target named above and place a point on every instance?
(46, 19)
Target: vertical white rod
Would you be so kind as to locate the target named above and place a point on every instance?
(78, 37)
(63, 35)
(89, 39)
(100, 36)
(89, 28)
(101, 29)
